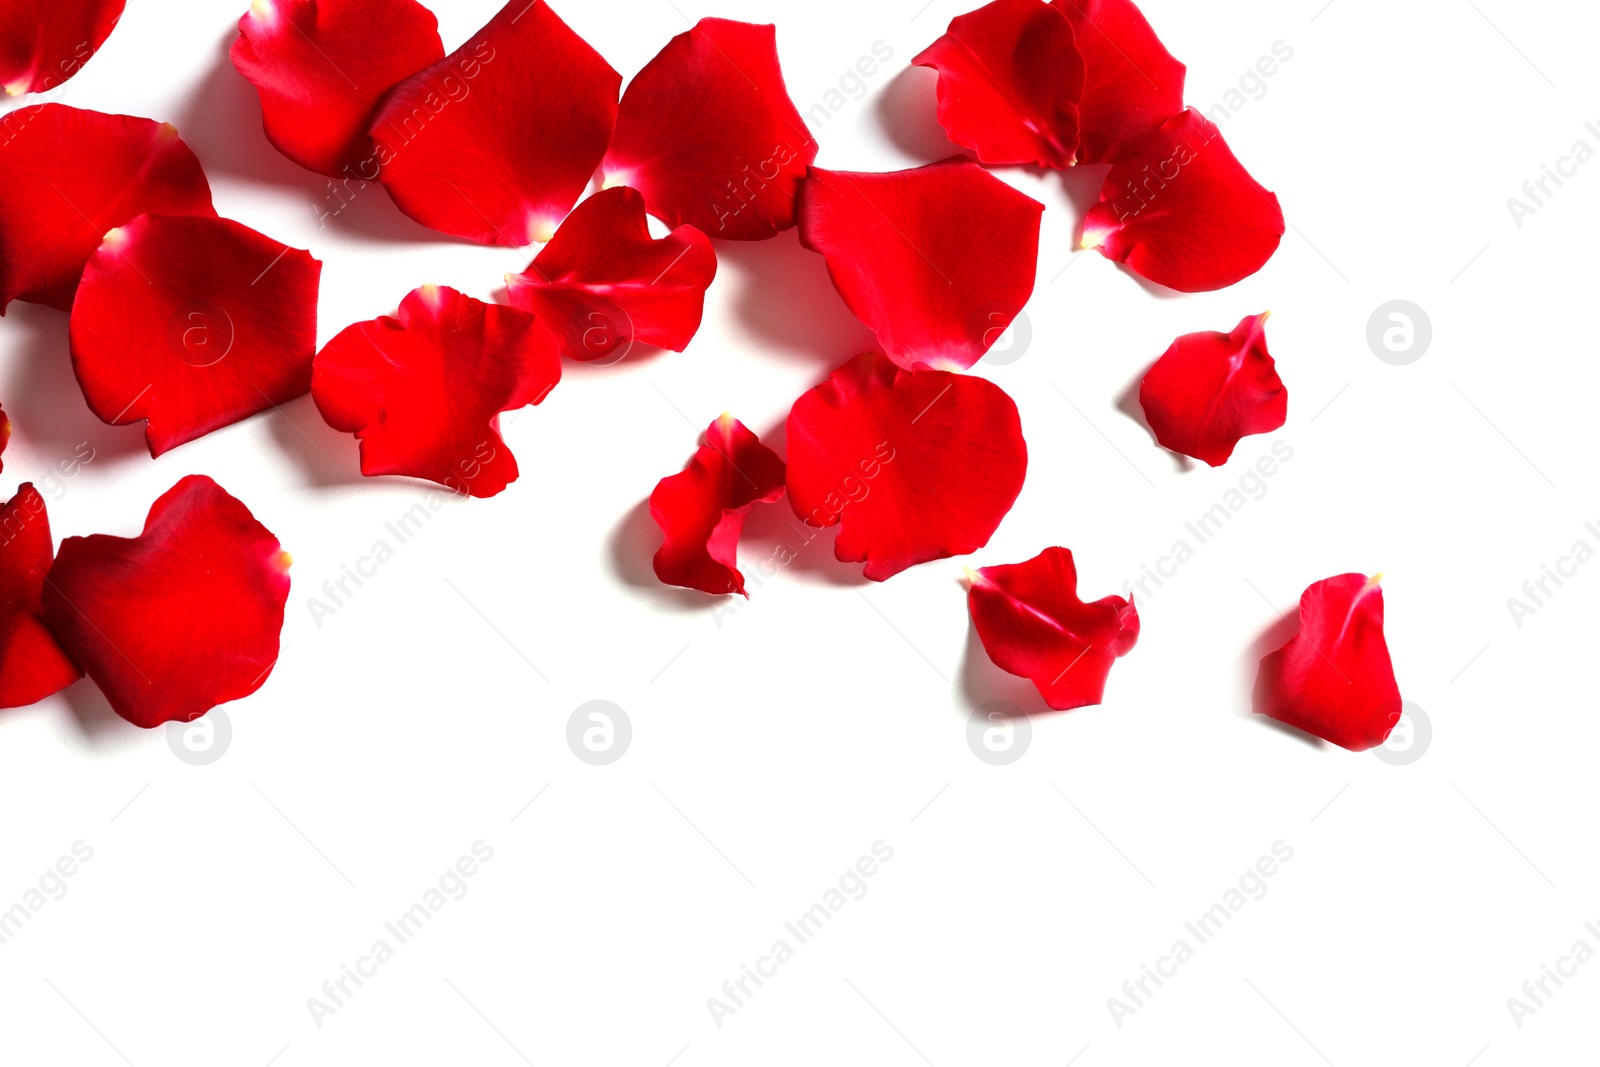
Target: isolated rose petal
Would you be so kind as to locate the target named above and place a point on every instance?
(5, 434)
(1132, 84)
(708, 134)
(321, 66)
(1184, 213)
(701, 510)
(603, 283)
(937, 261)
(1033, 625)
(45, 42)
(912, 465)
(69, 176)
(1334, 679)
(192, 323)
(423, 391)
(1010, 77)
(497, 141)
(1210, 389)
(32, 664)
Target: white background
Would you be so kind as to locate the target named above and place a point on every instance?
(773, 746)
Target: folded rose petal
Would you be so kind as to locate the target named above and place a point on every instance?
(1183, 212)
(1132, 84)
(708, 134)
(1033, 625)
(937, 261)
(603, 283)
(45, 42)
(497, 141)
(1010, 76)
(192, 323)
(912, 465)
(423, 391)
(32, 664)
(701, 510)
(321, 66)
(69, 176)
(1334, 679)
(1210, 389)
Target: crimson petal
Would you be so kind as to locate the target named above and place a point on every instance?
(5, 434)
(45, 42)
(1210, 389)
(1132, 84)
(32, 664)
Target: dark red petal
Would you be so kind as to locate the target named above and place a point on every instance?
(1334, 679)
(603, 283)
(423, 392)
(701, 510)
(71, 175)
(192, 323)
(45, 42)
(321, 66)
(183, 617)
(1184, 213)
(1033, 625)
(1132, 84)
(5, 434)
(937, 261)
(708, 134)
(1010, 76)
(913, 465)
(497, 141)
(32, 664)
(1210, 389)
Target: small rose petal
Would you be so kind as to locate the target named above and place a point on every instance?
(32, 664)
(1210, 389)
(69, 176)
(1132, 84)
(937, 261)
(701, 510)
(1033, 625)
(321, 66)
(603, 283)
(1184, 213)
(183, 617)
(912, 465)
(45, 42)
(423, 391)
(708, 134)
(1334, 679)
(192, 323)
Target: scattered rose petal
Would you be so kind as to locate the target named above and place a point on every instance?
(1210, 389)
(5, 434)
(937, 261)
(708, 134)
(32, 664)
(45, 42)
(1132, 84)
(912, 465)
(191, 323)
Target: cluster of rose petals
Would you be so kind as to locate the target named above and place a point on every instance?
(45, 42)
(1211, 389)
(32, 663)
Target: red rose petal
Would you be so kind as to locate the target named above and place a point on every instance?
(1210, 389)
(937, 261)
(71, 175)
(1033, 625)
(1184, 213)
(1010, 76)
(497, 141)
(192, 323)
(45, 42)
(913, 465)
(423, 392)
(5, 434)
(702, 509)
(1334, 679)
(603, 283)
(1132, 84)
(321, 66)
(708, 134)
(32, 664)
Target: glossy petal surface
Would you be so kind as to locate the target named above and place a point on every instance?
(45, 42)
(1131, 82)
(32, 664)
(1210, 389)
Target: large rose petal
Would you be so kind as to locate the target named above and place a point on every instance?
(937, 261)
(32, 664)
(708, 134)
(912, 465)
(321, 66)
(701, 510)
(1132, 84)
(183, 617)
(1033, 625)
(1210, 389)
(423, 391)
(45, 42)
(602, 282)
(69, 176)
(192, 323)
(1184, 213)
(497, 141)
